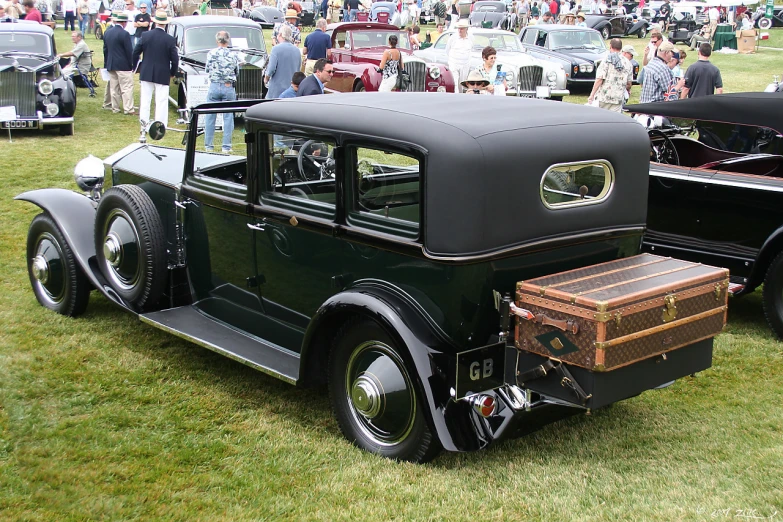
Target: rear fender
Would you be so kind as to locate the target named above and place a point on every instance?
(74, 215)
(771, 248)
(398, 315)
(637, 26)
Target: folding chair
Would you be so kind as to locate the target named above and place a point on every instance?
(89, 80)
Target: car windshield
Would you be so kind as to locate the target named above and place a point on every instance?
(500, 41)
(367, 39)
(25, 43)
(489, 7)
(576, 40)
(199, 40)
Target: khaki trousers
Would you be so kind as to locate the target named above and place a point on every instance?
(309, 65)
(121, 85)
(614, 107)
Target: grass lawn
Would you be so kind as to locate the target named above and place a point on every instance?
(103, 417)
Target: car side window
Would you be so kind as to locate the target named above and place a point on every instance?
(530, 36)
(301, 171)
(221, 154)
(387, 190)
(577, 184)
(442, 41)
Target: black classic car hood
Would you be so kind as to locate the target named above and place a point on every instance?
(758, 109)
(25, 61)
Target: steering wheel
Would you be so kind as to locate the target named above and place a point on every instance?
(666, 152)
(315, 164)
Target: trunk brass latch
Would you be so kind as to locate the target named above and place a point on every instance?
(670, 310)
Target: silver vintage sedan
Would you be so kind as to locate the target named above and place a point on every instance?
(525, 74)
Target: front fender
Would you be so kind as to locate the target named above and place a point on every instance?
(74, 215)
(427, 352)
(371, 79)
(637, 26)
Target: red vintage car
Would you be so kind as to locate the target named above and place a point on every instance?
(357, 48)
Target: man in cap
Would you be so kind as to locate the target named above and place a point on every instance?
(118, 58)
(458, 51)
(160, 64)
(612, 79)
(657, 75)
(629, 52)
(290, 20)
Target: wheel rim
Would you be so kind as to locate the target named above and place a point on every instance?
(48, 269)
(121, 250)
(380, 394)
(605, 33)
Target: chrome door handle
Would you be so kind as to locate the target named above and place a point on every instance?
(258, 228)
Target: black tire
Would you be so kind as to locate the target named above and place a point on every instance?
(773, 295)
(58, 281)
(642, 32)
(364, 365)
(359, 87)
(98, 32)
(66, 129)
(606, 33)
(765, 23)
(129, 230)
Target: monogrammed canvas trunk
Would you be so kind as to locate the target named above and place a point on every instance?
(614, 314)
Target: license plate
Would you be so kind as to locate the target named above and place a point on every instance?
(19, 124)
(479, 370)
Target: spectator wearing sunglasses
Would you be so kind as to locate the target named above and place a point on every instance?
(656, 38)
(314, 84)
(476, 83)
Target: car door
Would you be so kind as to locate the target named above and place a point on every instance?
(618, 26)
(297, 252)
(217, 230)
(342, 80)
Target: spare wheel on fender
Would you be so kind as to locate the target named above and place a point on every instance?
(130, 245)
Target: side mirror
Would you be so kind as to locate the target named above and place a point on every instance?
(156, 130)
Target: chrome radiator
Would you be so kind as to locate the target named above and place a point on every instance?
(530, 77)
(417, 70)
(250, 83)
(18, 89)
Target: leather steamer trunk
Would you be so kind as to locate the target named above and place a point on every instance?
(611, 315)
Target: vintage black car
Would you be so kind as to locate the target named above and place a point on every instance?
(716, 180)
(266, 15)
(618, 25)
(579, 50)
(196, 37)
(377, 259)
(490, 14)
(31, 80)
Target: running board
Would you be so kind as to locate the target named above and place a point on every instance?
(190, 324)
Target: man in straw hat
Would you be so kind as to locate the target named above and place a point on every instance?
(475, 83)
(458, 51)
(290, 20)
(160, 64)
(118, 58)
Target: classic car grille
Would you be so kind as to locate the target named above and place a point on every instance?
(530, 77)
(18, 89)
(250, 82)
(417, 72)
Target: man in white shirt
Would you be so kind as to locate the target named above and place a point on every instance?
(458, 51)
(714, 15)
(131, 11)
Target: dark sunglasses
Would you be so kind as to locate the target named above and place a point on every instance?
(329, 71)
(475, 84)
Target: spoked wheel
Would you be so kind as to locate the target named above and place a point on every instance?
(374, 397)
(58, 282)
(642, 33)
(666, 152)
(773, 295)
(605, 33)
(130, 245)
(98, 32)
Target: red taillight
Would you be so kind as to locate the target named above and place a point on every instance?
(484, 405)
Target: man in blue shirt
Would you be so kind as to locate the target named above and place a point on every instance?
(284, 60)
(314, 84)
(295, 81)
(317, 45)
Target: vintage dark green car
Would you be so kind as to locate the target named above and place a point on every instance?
(366, 242)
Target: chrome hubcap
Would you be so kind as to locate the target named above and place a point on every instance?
(112, 250)
(366, 397)
(40, 268)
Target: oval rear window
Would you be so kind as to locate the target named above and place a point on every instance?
(577, 184)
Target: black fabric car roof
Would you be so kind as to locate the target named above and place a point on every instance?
(486, 156)
(759, 109)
